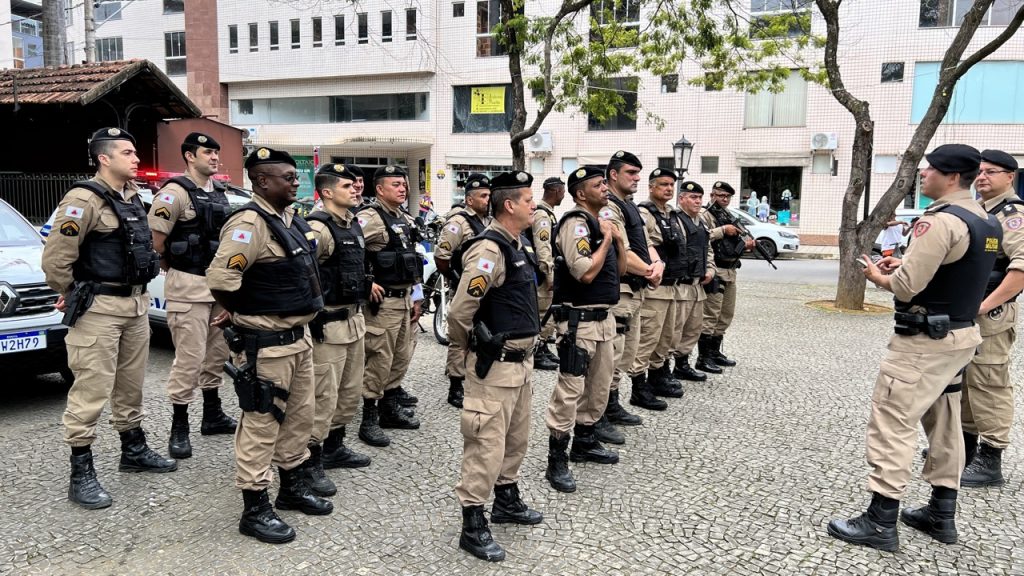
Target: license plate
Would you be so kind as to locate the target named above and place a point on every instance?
(22, 342)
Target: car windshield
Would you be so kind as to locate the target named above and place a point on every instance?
(14, 231)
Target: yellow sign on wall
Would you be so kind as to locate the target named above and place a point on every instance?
(488, 100)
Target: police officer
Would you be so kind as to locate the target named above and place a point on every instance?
(339, 329)
(539, 234)
(938, 288)
(458, 229)
(265, 276)
(643, 268)
(587, 287)
(700, 270)
(987, 401)
(499, 275)
(358, 185)
(720, 306)
(392, 260)
(659, 312)
(99, 263)
(186, 218)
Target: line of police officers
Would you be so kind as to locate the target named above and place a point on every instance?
(626, 283)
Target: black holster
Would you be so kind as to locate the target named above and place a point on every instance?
(77, 302)
(572, 359)
(487, 347)
(255, 394)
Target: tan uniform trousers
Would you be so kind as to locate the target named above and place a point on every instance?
(583, 398)
(544, 299)
(908, 390)
(719, 309)
(456, 363)
(625, 345)
(987, 402)
(389, 348)
(260, 442)
(690, 316)
(495, 428)
(199, 349)
(658, 333)
(338, 369)
(107, 355)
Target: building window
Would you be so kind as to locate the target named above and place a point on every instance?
(245, 107)
(105, 11)
(892, 72)
(458, 9)
(69, 12)
(174, 6)
(296, 29)
(109, 49)
(667, 163)
(886, 164)
(275, 37)
(364, 28)
(984, 95)
(385, 26)
(410, 23)
(625, 14)
(488, 14)
(328, 109)
(233, 39)
(624, 118)
(69, 52)
(318, 32)
(787, 108)
(708, 164)
(254, 37)
(940, 13)
(484, 108)
(379, 107)
(174, 50)
(780, 18)
(339, 30)
(669, 83)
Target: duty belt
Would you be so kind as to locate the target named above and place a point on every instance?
(122, 290)
(514, 356)
(674, 281)
(395, 292)
(583, 314)
(326, 317)
(268, 338)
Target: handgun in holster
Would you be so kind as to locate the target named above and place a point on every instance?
(487, 347)
(77, 302)
(572, 359)
(255, 394)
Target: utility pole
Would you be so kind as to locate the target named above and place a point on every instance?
(53, 32)
(90, 31)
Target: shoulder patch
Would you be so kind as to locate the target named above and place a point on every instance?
(544, 223)
(485, 265)
(583, 247)
(445, 245)
(237, 262)
(242, 236)
(162, 212)
(167, 198)
(74, 212)
(921, 228)
(605, 214)
(1014, 223)
(453, 228)
(477, 286)
(580, 230)
(69, 229)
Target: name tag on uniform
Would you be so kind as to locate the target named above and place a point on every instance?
(243, 236)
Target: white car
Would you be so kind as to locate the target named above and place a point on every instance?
(773, 238)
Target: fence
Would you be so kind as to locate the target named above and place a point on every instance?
(36, 195)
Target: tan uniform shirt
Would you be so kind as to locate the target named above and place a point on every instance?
(1011, 218)
(456, 231)
(79, 213)
(695, 290)
(339, 331)
(171, 205)
(654, 233)
(244, 241)
(716, 232)
(376, 236)
(543, 226)
(613, 214)
(575, 244)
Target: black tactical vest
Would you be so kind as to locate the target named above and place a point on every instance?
(476, 226)
(728, 249)
(696, 247)
(397, 263)
(511, 307)
(343, 275)
(995, 278)
(635, 236)
(124, 255)
(958, 288)
(672, 249)
(286, 287)
(192, 243)
(604, 289)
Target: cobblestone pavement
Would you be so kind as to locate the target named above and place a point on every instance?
(739, 477)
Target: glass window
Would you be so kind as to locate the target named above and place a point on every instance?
(364, 28)
(296, 29)
(624, 13)
(458, 9)
(174, 6)
(708, 164)
(69, 12)
(339, 30)
(667, 163)
(786, 108)
(69, 52)
(109, 49)
(766, 17)
(385, 26)
(488, 14)
(318, 32)
(886, 164)
(625, 118)
(254, 36)
(892, 72)
(106, 10)
(484, 108)
(174, 50)
(669, 83)
(410, 23)
(989, 93)
(379, 107)
(570, 164)
(233, 39)
(943, 13)
(275, 36)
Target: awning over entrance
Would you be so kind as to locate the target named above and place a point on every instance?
(771, 159)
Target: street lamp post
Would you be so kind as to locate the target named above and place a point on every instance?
(682, 150)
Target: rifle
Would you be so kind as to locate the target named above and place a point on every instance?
(722, 214)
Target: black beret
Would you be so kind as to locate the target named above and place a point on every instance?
(724, 187)
(626, 158)
(105, 134)
(263, 155)
(389, 171)
(954, 158)
(337, 170)
(197, 139)
(663, 173)
(553, 182)
(999, 158)
(690, 187)
(476, 181)
(514, 179)
(354, 170)
(585, 173)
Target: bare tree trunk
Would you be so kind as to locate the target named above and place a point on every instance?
(90, 31)
(515, 70)
(53, 32)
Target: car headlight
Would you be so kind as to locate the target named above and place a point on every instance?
(788, 235)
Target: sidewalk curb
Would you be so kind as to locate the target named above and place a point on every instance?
(808, 256)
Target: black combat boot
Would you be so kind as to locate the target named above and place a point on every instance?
(544, 359)
(617, 414)
(510, 508)
(369, 428)
(337, 455)
(179, 446)
(261, 522)
(558, 473)
(455, 391)
(476, 536)
(660, 385)
(403, 397)
(970, 448)
(938, 518)
(642, 395)
(215, 421)
(683, 371)
(586, 447)
(85, 489)
(705, 358)
(136, 455)
(313, 472)
(605, 432)
(986, 469)
(717, 355)
(875, 528)
(393, 416)
(295, 494)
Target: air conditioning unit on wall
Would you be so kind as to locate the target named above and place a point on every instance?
(539, 143)
(824, 141)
